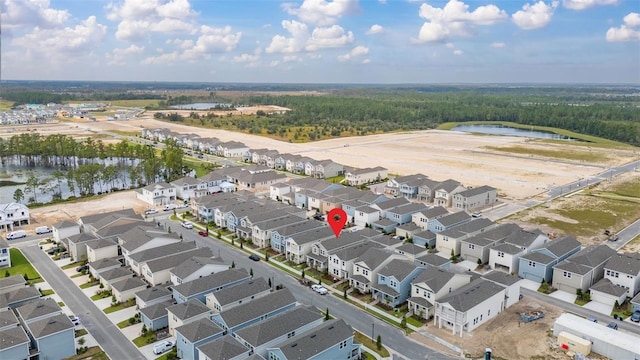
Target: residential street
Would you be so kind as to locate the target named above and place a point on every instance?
(114, 343)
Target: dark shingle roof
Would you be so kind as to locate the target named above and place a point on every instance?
(162, 251)
(7, 318)
(194, 264)
(501, 278)
(153, 293)
(628, 263)
(12, 280)
(128, 284)
(170, 262)
(104, 263)
(434, 278)
(433, 260)
(467, 228)
(562, 246)
(607, 287)
(224, 348)
(13, 336)
(471, 294)
(156, 311)
(313, 342)
(50, 325)
(254, 309)
(241, 291)
(265, 331)
(455, 218)
(211, 282)
(188, 309)
(373, 257)
(37, 308)
(398, 268)
(498, 233)
(199, 330)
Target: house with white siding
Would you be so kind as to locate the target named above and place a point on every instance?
(13, 215)
(582, 269)
(477, 247)
(624, 270)
(422, 218)
(196, 267)
(357, 177)
(431, 285)
(450, 240)
(157, 194)
(444, 192)
(506, 256)
(474, 198)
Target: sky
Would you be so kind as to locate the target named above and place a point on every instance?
(322, 41)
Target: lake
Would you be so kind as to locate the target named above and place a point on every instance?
(200, 106)
(510, 131)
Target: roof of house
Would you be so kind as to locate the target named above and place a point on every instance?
(467, 228)
(19, 295)
(507, 248)
(476, 191)
(50, 325)
(7, 318)
(102, 243)
(434, 212)
(156, 311)
(399, 268)
(116, 273)
(12, 280)
(313, 342)
(162, 251)
(409, 227)
(224, 348)
(194, 264)
(606, 286)
(140, 235)
(501, 277)
(12, 337)
(188, 309)
(366, 170)
(281, 324)
(210, 282)
(385, 223)
(172, 261)
(241, 291)
(37, 308)
(472, 294)
(593, 255)
(313, 235)
(355, 250)
(435, 278)
(187, 180)
(299, 227)
(426, 234)
(153, 293)
(104, 263)
(408, 209)
(410, 248)
(538, 257)
(490, 236)
(433, 260)
(373, 257)
(628, 263)
(82, 237)
(454, 218)
(199, 330)
(561, 246)
(65, 224)
(254, 309)
(102, 219)
(129, 284)
(448, 185)
(120, 226)
(391, 203)
(523, 238)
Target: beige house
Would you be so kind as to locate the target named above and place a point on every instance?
(102, 249)
(126, 289)
(185, 313)
(433, 284)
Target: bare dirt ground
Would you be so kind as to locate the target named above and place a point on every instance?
(507, 337)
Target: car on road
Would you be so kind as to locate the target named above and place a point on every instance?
(203, 233)
(82, 268)
(613, 237)
(319, 289)
(42, 230)
(592, 319)
(55, 250)
(187, 225)
(254, 257)
(613, 325)
(476, 214)
(635, 317)
(16, 234)
(150, 211)
(74, 320)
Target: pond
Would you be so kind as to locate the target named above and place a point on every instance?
(510, 131)
(200, 106)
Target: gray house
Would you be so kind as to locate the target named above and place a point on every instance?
(449, 240)
(14, 342)
(448, 221)
(393, 285)
(199, 288)
(582, 269)
(53, 336)
(236, 295)
(155, 316)
(477, 247)
(185, 313)
(194, 334)
(152, 295)
(224, 348)
(538, 264)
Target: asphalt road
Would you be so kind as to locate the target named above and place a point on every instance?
(392, 337)
(113, 342)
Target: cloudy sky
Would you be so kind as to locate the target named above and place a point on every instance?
(323, 41)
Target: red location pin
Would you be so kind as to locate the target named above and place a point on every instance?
(336, 219)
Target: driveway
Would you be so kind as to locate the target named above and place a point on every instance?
(122, 315)
(147, 350)
(598, 307)
(564, 296)
(529, 284)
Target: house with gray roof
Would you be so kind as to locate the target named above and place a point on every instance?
(402, 214)
(393, 285)
(236, 295)
(115, 274)
(449, 240)
(53, 336)
(389, 204)
(102, 249)
(195, 268)
(38, 310)
(190, 336)
(367, 266)
(606, 292)
(511, 283)
(477, 247)
(433, 260)
(77, 245)
(470, 306)
(142, 238)
(506, 256)
(442, 223)
(137, 260)
(407, 230)
(63, 229)
(158, 271)
(357, 177)
(432, 284)
(98, 266)
(251, 312)
(443, 192)
(385, 226)
(279, 236)
(12, 282)
(426, 190)
(341, 261)
(538, 264)
(152, 295)
(14, 342)
(155, 316)
(474, 198)
(318, 257)
(18, 297)
(422, 218)
(261, 231)
(126, 289)
(224, 348)
(334, 339)
(8, 319)
(424, 238)
(187, 312)
(582, 269)
(411, 251)
(119, 226)
(199, 288)
(624, 270)
(160, 193)
(264, 334)
(95, 222)
(365, 215)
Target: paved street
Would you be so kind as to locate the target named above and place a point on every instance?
(114, 343)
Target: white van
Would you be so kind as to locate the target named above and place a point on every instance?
(16, 234)
(169, 207)
(162, 346)
(42, 230)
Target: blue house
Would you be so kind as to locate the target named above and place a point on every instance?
(538, 264)
(53, 336)
(199, 288)
(253, 311)
(402, 214)
(334, 339)
(154, 316)
(192, 335)
(448, 221)
(393, 286)
(15, 344)
(425, 238)
(226, 348)
(279, 236)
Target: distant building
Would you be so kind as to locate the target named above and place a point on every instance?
(13, 215)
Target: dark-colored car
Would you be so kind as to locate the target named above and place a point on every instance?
(613, 325)
(82, 268)
(254, 257)
(203, 233)
(635, 317)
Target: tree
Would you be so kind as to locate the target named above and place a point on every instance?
(81, 341)
(303, 275)
(379, 343)
(233, 264)
(18, 195)
(32, 186)
(344, 293)
(251, 272)
(270, 285)
(144, 329)
(58, 175)
(326, 315)
(266, 256)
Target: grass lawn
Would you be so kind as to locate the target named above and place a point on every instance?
(80, 332)
(118, 307)
(89, 284)
(415, 322)
(134, 103)
(77, 275)
(165, 356)
(93, 353)
(147, 339)
(124, 323)
(5, 104)
(102, 295)
(47, 292)
(579, 301)
(21, 266)
(73, 265)
(366, 341)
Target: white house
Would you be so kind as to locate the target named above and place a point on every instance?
(13, 215)
(365, 215)
(126, 289)
(506, 256)
(64, 229)
(156, 194)
(364, 176)
(624, 270)
(431, 285)
(101, 249)
(5, 255)
(195, 268)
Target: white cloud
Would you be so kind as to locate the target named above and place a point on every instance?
(534, 16)
(300, 40)
(455, 19)
(58, 43)
(291, 58)
(246, 58)
(449, 45)
(375, 29)
(366, 61)
(118, 56)
(498, 45)
(139, 17)
(31, 13)
(628, 31)
(355, 52)
(458, 52)
(585, 4)
(323, 12)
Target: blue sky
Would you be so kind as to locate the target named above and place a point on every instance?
(323, 41)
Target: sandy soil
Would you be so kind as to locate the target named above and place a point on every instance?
(506, 336)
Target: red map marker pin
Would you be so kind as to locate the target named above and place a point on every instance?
(336, 219)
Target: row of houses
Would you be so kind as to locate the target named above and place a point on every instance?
(30, 325)
(229, 149)
(13, 215)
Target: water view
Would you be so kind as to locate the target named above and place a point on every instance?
(200, 106)
(510, 131)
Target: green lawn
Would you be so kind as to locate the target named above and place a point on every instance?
(147, 339)
(124, 323)
(21, 266)
(102, 295)
(80, 332)
(118, 307)
(73, 265)
(47, 292)
(89, 284)
(61, 304)
(93, 353)
(165, 356)
(77, 275)
(366, 341)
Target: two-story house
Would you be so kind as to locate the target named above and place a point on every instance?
(357, 177)
(624, 270)
(199, 288)
(448, 221)
(444, 192)
(474, 198)
(195, 268)
(432, 284)
(582, 269)
(477, 247)
(156, 194)
(538, 264)
(299, 245)
(186, 312)
(393, 285)
(341, 261)
(367, 266)
(236, 295)
(190, 336)
(506, 256)
(402, 214)
(449, 241)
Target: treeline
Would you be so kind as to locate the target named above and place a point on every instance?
(36, 97)
(375, 112)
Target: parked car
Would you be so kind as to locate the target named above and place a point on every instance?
(635, 317)
(82, 268)
(203, 233)
(613, 237)
(169, 207)
(592, 319)
(162, 346)
(476, 214)
(150, 211)
(74, 320)
(613, 325)
(187, 225)
(319, 289)
(254, 257)
(42, 230)
(16, 234)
